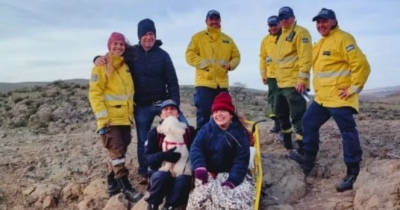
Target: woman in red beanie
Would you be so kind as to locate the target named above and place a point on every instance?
(220, 157)
(111, 97)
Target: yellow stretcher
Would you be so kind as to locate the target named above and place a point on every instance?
(257, 171)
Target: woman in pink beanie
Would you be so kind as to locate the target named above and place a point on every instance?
(220, 156)
(111, 93)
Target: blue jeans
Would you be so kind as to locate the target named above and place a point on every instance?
(203, 100)
(144, 117)
(162, 184)
(316, 115)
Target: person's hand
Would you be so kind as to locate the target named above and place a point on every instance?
(344, 94)
(300, 88)
(264, 80)
(202, 174)
(172, 156)
(226, 66)
(228, 184)
(100, 61)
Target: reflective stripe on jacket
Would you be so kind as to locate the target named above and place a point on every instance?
(207, 51)
(111, 97)
(338, 64)
(293, 57)
(268, 46)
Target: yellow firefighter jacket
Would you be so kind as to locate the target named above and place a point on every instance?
(293, 57)
(207, 51)
(111, 97)
(338, 63)
(267, 64)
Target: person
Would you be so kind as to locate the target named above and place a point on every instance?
(213, 54)
(267, 68)
(221, 146)
(111, 98)
(341, 70)
(155, 81)
(293, 63)
(161, 183)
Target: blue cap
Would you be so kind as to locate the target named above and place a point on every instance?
(325, 14)
(285, 12)
(169, 102)
(273, 20)
(213, 13)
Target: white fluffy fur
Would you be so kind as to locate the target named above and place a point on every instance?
(174, 131)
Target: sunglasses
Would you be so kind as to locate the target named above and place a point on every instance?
(272, 25)
(284, 17)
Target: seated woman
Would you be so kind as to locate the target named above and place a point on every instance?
(162, 184)
(220, 157)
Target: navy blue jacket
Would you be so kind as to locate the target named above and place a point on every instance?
(153, 74)
(153, 150)
(222, 150)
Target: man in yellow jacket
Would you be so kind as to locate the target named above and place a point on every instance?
(340, 71)
(213, 54)
(111, 97)
(267, 68)
(293, 63)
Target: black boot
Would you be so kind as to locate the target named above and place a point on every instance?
(276, 127)
(168, 207)
(286, 140)
(353, 170)
(130, 193)
(112, 185)
(306, 161)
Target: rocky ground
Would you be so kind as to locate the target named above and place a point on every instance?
(52, 159)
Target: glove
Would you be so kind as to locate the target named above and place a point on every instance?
(228, 184)
(202, 174)
(172, 156)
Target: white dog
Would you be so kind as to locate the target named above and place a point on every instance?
(174, 131)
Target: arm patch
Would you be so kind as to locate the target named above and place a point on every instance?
(304, 40)
(350, 48)
(94, 78)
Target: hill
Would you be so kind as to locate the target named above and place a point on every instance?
(52, 158)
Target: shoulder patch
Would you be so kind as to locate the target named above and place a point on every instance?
(304, 40)
(328, 53)
(94, 78)
(225, 41)
(350, 48)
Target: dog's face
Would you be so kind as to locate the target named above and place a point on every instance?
(172, 127)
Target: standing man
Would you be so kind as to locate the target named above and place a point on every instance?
(155, 80)
(340, 71)
(293, 63)
(267, 68)
(213, 54)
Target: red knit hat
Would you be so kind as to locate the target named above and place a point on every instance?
(115, 36)
(223, 101)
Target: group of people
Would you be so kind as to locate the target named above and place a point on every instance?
(340, 70)
(135, 83)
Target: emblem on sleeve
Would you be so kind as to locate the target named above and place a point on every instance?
(304, 40)
(350, 48)
(94, 78)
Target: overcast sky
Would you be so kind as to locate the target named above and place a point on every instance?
(46, 40)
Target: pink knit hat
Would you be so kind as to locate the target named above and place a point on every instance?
(115, 36)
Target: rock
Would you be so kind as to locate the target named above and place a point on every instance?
(49, 202)
(283, 179)
(378, 186)
(117, 202)
(71, 191)
(28, 191)
(96, 189)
